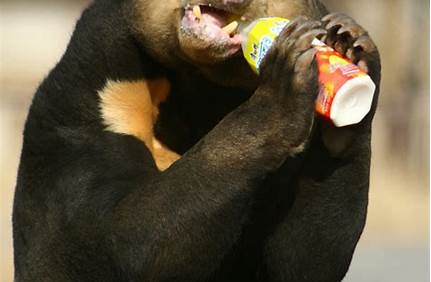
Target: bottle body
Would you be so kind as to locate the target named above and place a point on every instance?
(345, 94)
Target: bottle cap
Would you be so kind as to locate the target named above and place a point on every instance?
(352, 101)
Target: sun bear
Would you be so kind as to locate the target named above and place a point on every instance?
(152, 152)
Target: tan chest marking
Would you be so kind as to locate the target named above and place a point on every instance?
(132, 107)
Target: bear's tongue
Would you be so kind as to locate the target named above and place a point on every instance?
(210, 17)
(215, 17)
(211, 24)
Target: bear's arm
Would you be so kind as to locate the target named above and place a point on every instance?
(316, 239)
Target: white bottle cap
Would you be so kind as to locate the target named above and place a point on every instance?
(352, 101)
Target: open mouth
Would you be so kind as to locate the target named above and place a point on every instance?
(210, 29)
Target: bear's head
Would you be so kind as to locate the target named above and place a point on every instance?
(203, 33)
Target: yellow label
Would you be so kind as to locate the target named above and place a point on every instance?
(260, 38)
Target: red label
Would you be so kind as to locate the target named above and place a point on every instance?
(334, 71)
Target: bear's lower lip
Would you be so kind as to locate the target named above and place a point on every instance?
(205, 33)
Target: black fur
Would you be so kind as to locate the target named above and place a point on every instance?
(240, 205)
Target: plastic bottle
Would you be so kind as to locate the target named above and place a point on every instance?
(346, 93)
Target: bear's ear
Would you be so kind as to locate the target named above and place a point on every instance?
(132, 108)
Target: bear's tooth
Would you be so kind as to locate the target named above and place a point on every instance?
(230, 28)
(197, 12)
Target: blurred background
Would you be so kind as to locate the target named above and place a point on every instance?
(394, 246)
